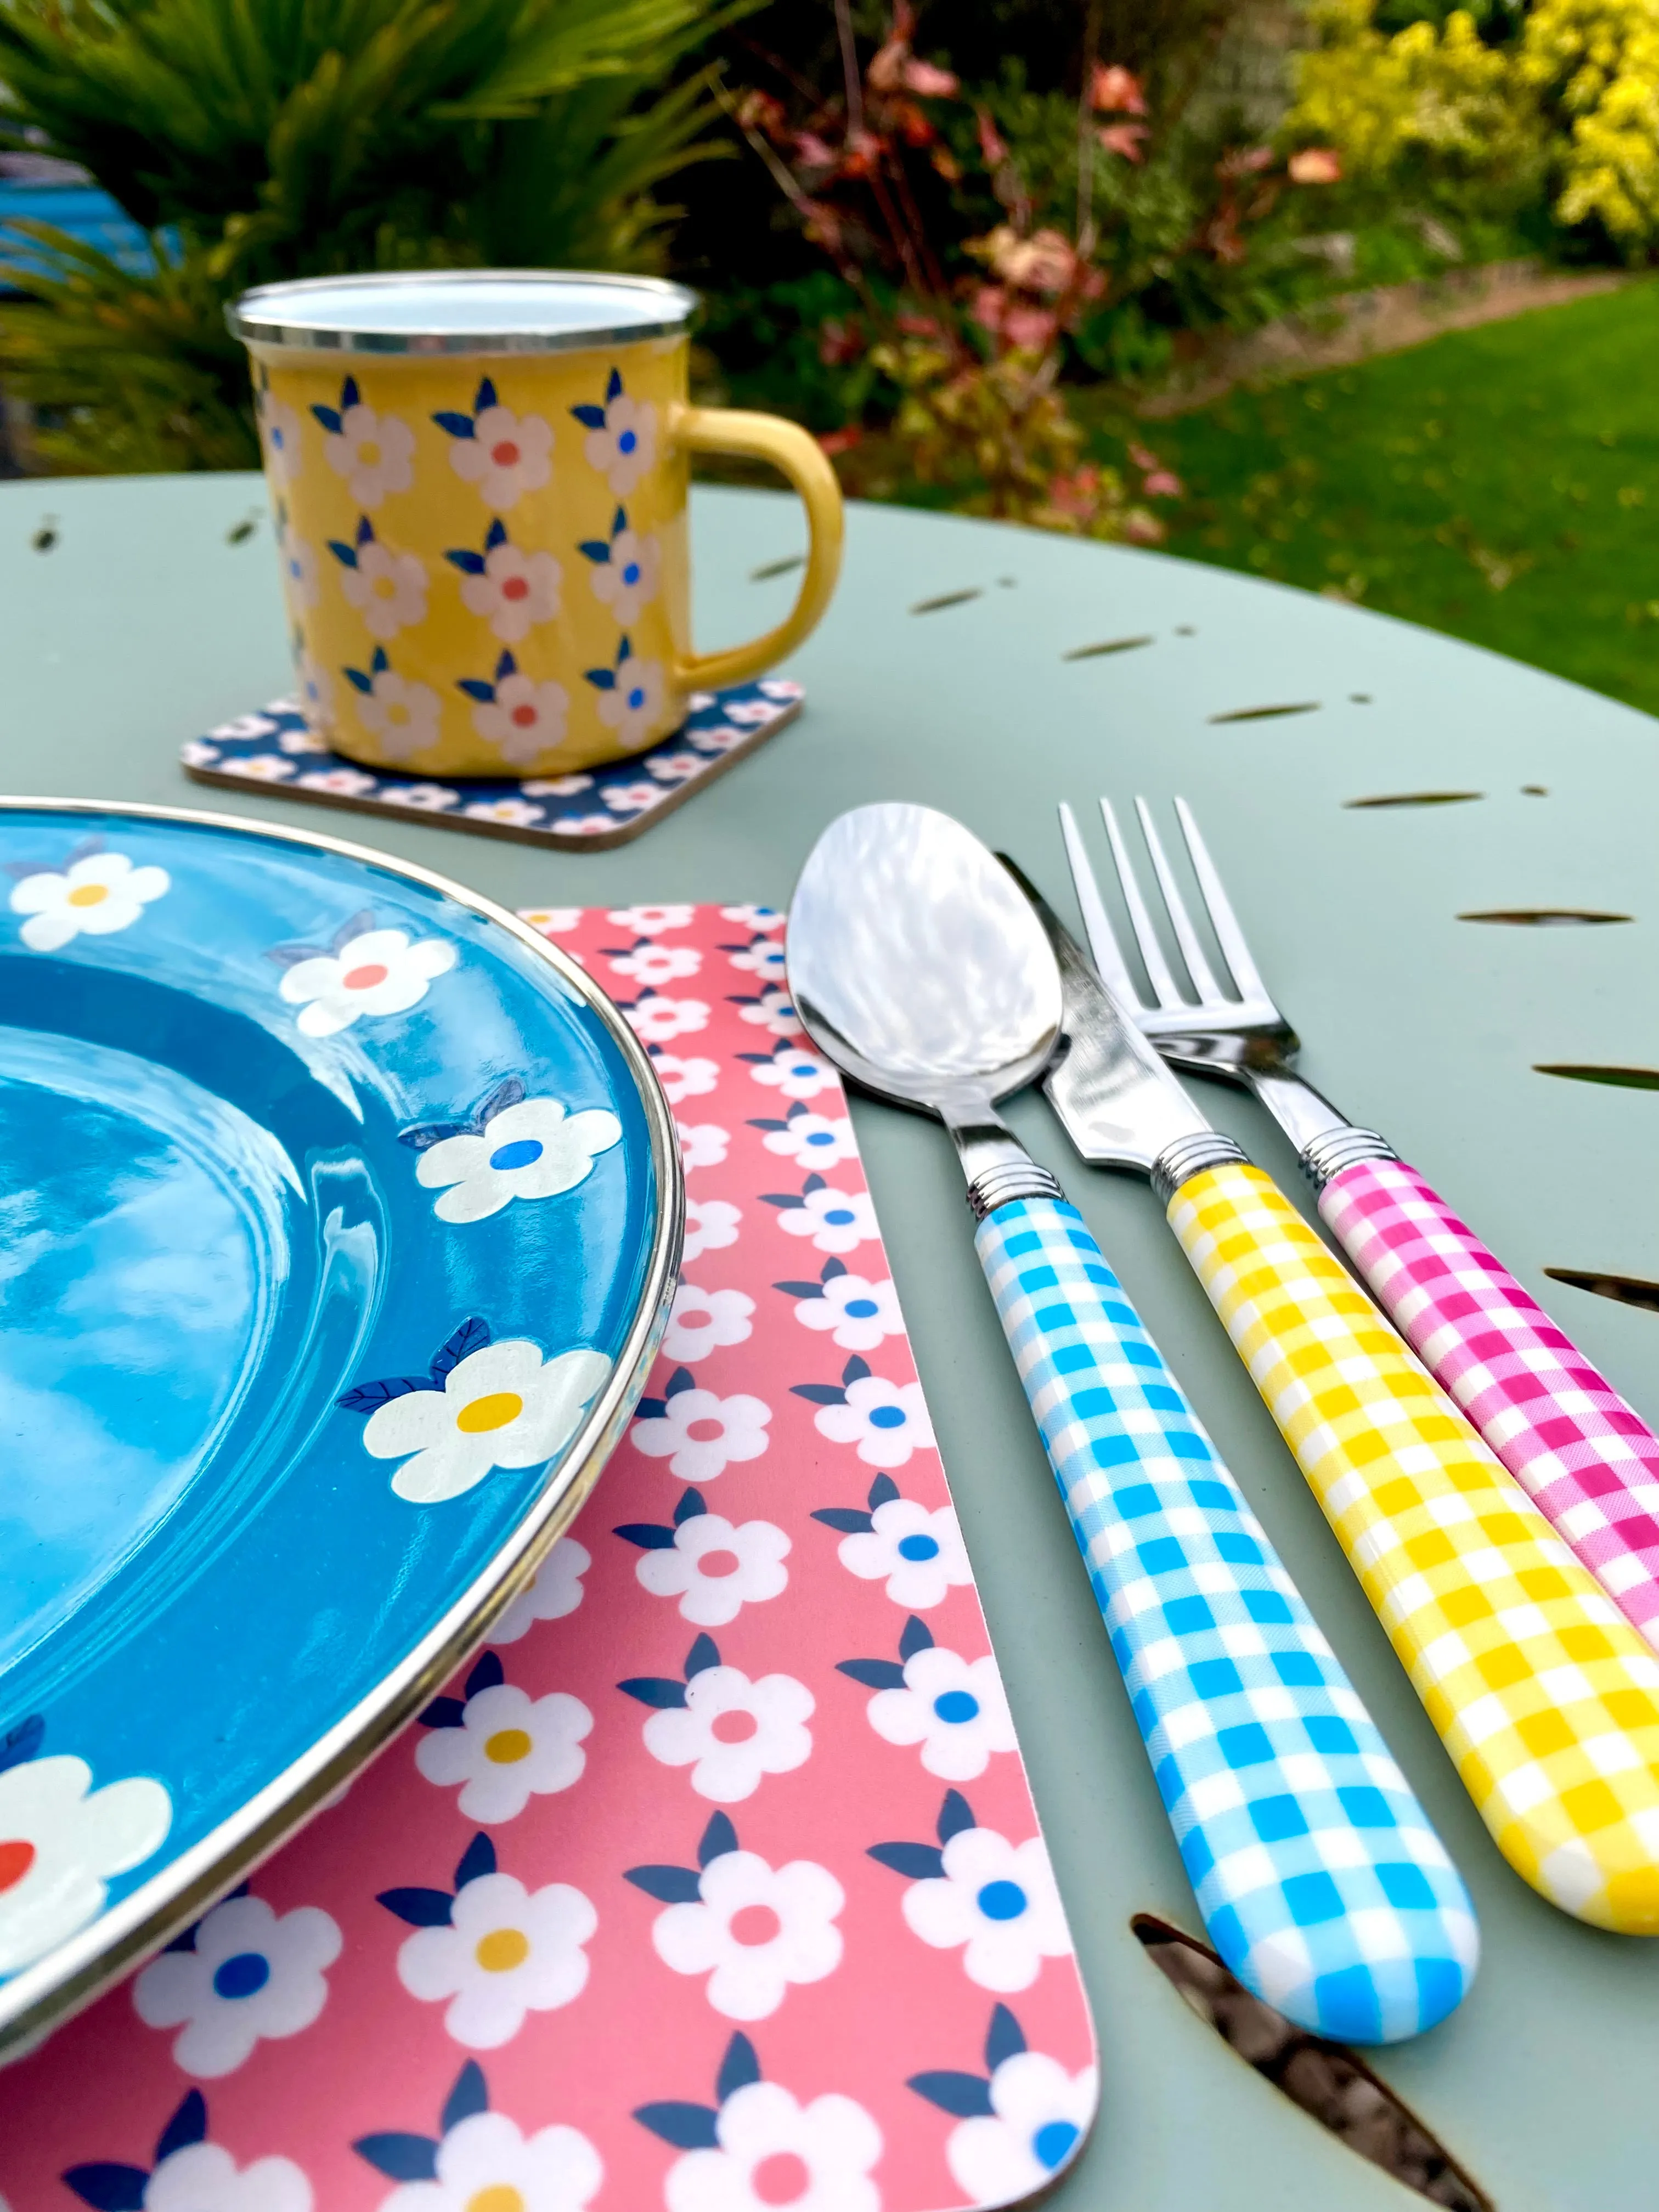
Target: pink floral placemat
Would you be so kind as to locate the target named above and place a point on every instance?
(714, 1882)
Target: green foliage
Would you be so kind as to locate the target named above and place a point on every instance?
(259, 139)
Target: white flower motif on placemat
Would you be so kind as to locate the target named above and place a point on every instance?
(997, 1902)
(770, 2150)
(835, 1221)
(96, 894)
(791, 1070)
(429, 798)
(624, 570)
(252, 1974)
(481, 1406)
(521, 718)
(515, 1147)
(555, 1592)
(373, 452)
(632, 695)
(518, 811)
(702, 1322)
(509, 589)
(761, 957)
(556, 786)
(919, 1552)
(711, 1225)
(205, 2173)
(1039, 2115)
(630, 798)
(712, 1567)
(651, 921)
(551, 920)
(672, 767)
(504, 454)
(753, 1928)
(954, 1707)
(686, 1078)
(279, 433)
(503, 1952)
(656, 1020)
(810, 1141)
(697, 1432)
(651, 965)
(503, 1745)
(621, 437)
(61, 1844)
(886, 1420)
(757, 918)
(346, 782)
(265, 767)
(485, 2163)
(703, 1145)
(370, 972)
(404, 714)
(729, 1730)
(387, 589)
(857, 1314)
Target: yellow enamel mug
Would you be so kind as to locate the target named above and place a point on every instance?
(479, 481)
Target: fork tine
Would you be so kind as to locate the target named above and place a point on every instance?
(1152, 952)
(1198, 966)
(1228, 935)
(1103, 942)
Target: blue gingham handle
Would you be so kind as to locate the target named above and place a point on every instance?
(1320, 1882)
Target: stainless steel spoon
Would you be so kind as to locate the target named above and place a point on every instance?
(918, 968)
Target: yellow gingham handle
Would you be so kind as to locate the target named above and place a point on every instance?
(1545, 1696)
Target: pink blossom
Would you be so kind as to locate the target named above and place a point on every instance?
(929, 83)
(1114, 90)
(1162, 484)
(1124, 138)
(1316, 165)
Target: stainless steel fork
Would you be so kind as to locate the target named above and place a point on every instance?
(1585, 1457)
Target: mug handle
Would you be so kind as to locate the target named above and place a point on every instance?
(799, 457)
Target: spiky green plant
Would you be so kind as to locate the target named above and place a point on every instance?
(258, 139)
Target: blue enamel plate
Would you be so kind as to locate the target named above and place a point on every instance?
(338, 1213)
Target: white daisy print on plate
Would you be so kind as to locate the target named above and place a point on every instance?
(482, 2161)
(1022, 2122)
(554, 1592)
(521, 718)
(757, 2148)
(508, 588)
(953, 1708)
(887, 1421)
(375, 452)
(729, 1730)
(918, 1552)
(61, 1842)
(702, 1322)
(388, 589)
(835, 1221)
(503, 1745)
(856, 1313)
(504, 454)
(621, 437)
(494, 1949)
(713, 1566)
(479, 1406)
(242, 1973)
(754, 1929)
(190, 2172)
(364, 972)
(711, 1225)
(624, 570)
(632, 696)
(976, 1892)
(405, 715)
(94, 894)
(810, 1141)
(698, 1433)
(513, 1147)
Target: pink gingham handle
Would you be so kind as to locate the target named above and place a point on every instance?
(1590, 1462)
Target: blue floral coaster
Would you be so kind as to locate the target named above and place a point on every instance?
(586, 810)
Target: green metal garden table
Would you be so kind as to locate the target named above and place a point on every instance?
(990, 672)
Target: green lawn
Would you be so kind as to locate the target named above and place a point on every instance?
(1501, 484)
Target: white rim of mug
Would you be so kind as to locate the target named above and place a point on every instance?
(245, 320)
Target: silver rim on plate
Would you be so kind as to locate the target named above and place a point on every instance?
(43, 1996)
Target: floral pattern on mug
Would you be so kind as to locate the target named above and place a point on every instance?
(279, 434)
(753, 1928)
(504, 454)
(520, 718)
(403, 714)
(510, 589)
(375, 452)
(621, 437)
(387, 589)
(301, 580)
(479, 1406)
(632, 695)
(625, 570)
